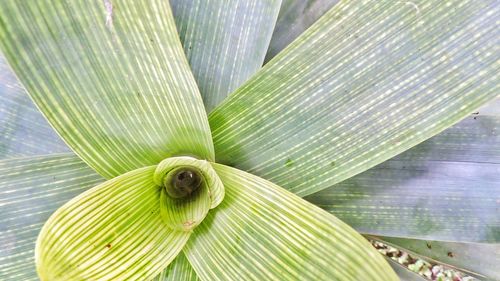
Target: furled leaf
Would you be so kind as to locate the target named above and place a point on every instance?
(294, 18)
(31, 189)
(368, 81)
(113, 231)
(23, 130)
(478, 260)
(179, 270)
(110, 76)
(446, 188)
(225, 41)
(262, 232)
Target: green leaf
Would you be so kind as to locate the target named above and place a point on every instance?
(225, 41)
(478, 260)
(179, 270)
(23, 130)
(446, 188)
(294, 18)
(262, 232)
(31, 189)
(111, 77)
(113, 231)
(368, 81)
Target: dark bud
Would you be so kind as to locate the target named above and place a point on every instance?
(184, 182)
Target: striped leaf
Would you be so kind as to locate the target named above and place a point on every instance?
(478, 260)
(110, 76)
(446, 188)
(262, 232)
(366, 82)
(23, 130)
(225, 41)
(179, 270)
(294, 18)
(111, 232)
(31, 189)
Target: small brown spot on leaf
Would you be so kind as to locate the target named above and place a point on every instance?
(108, 246)
(428, 245)
(450, 254)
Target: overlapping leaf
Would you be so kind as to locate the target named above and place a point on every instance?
(368, 81)
(262, 232)
(110, 76)
(225, 41)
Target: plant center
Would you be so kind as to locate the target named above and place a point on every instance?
(184, 182)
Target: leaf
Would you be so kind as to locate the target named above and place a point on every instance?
(294, 18)
(178, 270)
(225, 41)
(262, 232)
(23, 130)
(443, 189)
(112, 231)
(368, 81)
(111, 77)
(31, 189)
(478, 260)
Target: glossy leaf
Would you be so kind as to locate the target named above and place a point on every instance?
(179, 270)
(294, 18)
(368, 81)
(110, 76)
(478, 260)
(23, 130)
(262, 232)
(113, 231)
(31, 189)
(225, 41)
(443, 189)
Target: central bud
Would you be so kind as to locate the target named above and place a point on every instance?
(183, 183)
(189, 188)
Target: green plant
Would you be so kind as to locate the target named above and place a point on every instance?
(367, 81)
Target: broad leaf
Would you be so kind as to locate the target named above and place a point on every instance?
(368, 81)
(262, 232)
(31, 189)
(179, 270)
(112, 231)
(446, 188)
(479, 260)
(23, 130)
(225, 41)
(294, 18)
(110, 76)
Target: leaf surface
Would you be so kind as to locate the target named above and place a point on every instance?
(262, 232)
(225, 41)
(366, 82)
(111, 77)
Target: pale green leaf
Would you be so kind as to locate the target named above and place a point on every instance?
(113, 231)
(110, 76)
(368, 81)
(478, 260)
(23, 130)
(446, 188)
(179, 270)
(294, 18)
(225, 41)
(31, 189)
(262, 232)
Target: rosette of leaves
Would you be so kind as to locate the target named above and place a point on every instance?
(191, 159)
